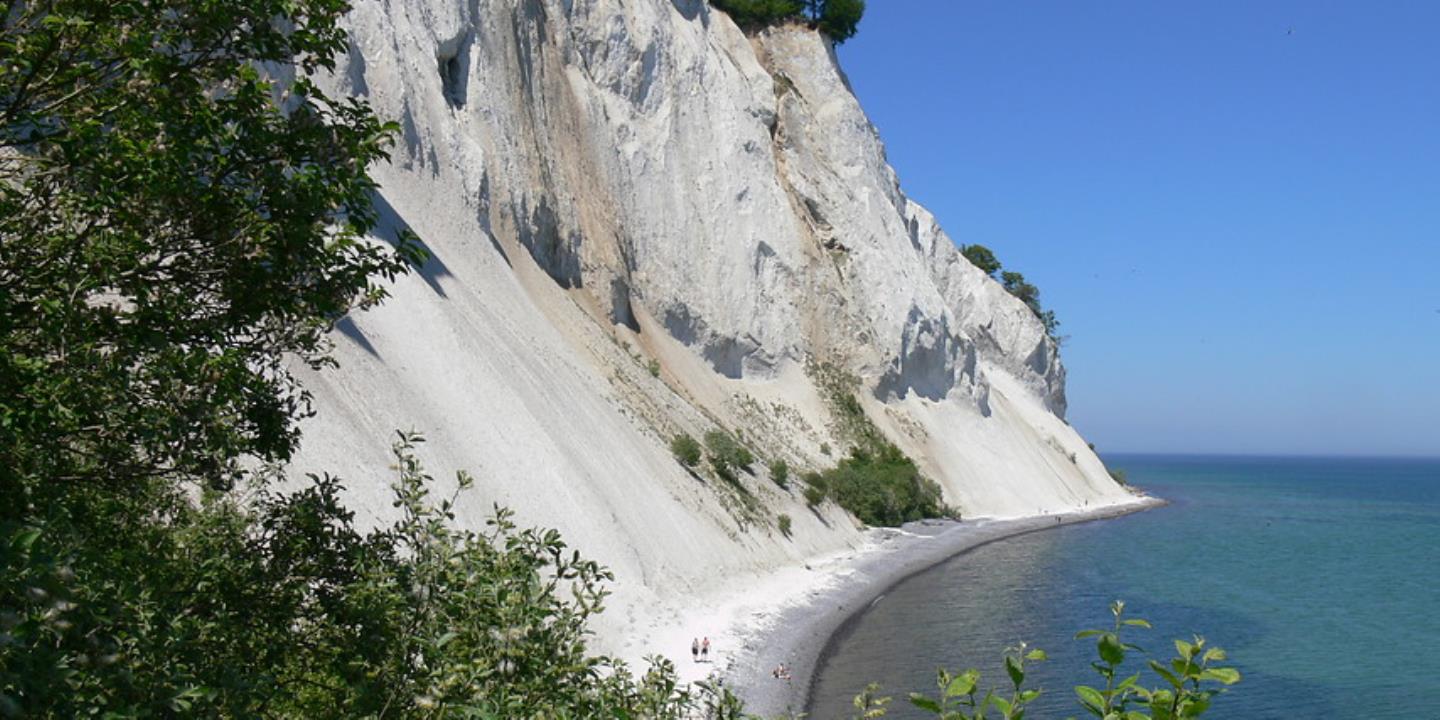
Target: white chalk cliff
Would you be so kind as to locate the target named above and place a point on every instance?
(611, 186)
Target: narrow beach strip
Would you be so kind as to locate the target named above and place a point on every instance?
(798, 631)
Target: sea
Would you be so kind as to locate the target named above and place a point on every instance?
(1320, 577)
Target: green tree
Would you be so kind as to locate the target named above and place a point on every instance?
(171, 234)
(182, 212)
(760, 13)
(839, 19)
(981, 257)
(1015, 284)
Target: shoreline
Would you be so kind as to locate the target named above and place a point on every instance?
(798, 633)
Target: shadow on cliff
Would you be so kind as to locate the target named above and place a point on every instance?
(390, 225)
(349, 329)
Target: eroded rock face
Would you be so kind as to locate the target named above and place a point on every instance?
(644, 222)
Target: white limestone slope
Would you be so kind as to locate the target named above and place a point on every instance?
(608, 186)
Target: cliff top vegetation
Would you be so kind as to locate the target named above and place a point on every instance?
(838, 19)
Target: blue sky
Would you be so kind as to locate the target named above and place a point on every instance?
(1233, 207)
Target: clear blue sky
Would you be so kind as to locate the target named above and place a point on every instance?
(1233, 207)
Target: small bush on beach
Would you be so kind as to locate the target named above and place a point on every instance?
(686, 450)
(784, 521)
(780, 473)
(1119, 475)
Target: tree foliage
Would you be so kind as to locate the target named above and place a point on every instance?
(981, 257)
(1015, 284)
(180, 209)
(278, 606)
(883, 487)
(838, 19)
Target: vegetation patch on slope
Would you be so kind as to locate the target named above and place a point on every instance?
(876, 481)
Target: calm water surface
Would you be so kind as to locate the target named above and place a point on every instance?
(1319, 576)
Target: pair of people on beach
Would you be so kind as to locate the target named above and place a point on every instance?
(700, 650)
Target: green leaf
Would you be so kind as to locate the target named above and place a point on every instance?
(1128, 682)
(962, 684)
(925, 703)
(1184, 649)
(1228, 676)
(1111, 650)
(1091, 699)
(25, 538)
(1137, 622)
(1037, 654)
(1017, 673)
(1174, 681)
(1000, 703)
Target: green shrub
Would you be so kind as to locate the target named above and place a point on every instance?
(760, 13)
(838, 19)
(883, 487)
(1119, 475)
(727, 455)
(814, 495)
(784, 525)
(825, 449)
(654, 367)
(686, 450)
(277, 605)
(981, 257)
(780, 473)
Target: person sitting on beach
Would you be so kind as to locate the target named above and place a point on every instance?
(781, 672)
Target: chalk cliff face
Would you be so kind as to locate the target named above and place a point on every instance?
(643, 222)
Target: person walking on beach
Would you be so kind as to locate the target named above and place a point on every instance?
(695, 649)
(705, 650)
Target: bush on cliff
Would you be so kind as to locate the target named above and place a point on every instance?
(839, 19)
(727, 455)
(981, 257)
(685, 449)
(883, 487)
(780, 473)
(760, 13)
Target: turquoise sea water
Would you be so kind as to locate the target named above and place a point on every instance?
(1321, 577)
